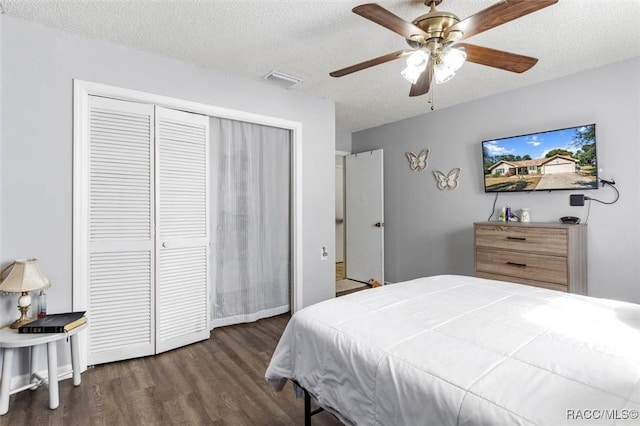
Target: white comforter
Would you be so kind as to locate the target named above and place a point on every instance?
(454, 350)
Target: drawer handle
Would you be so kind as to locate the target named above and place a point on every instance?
(520, 265)
(517, 238)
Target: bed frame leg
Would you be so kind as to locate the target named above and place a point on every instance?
(307, 408)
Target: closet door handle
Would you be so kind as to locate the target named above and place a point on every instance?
(165, 244)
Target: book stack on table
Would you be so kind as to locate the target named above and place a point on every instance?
(55, 323)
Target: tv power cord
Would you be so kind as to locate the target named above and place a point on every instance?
(603, 182)
(611, 183)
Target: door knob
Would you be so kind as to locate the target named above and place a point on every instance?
(379, 224)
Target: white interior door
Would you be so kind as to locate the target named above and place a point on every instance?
(120, 230)
(364, 213)
(182, 251)
(147, 229)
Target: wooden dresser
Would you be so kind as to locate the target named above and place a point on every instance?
(550, 255)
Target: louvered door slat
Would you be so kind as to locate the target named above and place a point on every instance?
(121, 221)
(182, 273)
(183, 177)
(182, 270)
(116, 176)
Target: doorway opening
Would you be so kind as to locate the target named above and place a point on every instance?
(354, 264)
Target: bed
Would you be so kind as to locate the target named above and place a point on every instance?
(457, 350)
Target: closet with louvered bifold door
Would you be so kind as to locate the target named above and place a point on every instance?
(148, 229)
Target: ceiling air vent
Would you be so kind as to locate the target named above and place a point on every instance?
(282, 79)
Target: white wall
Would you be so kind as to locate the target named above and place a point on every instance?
(37, 69)
(1, 140)
(429, 232)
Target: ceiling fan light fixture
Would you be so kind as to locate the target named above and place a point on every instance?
(453, 57)
(447, 63)
(416, 64)
(412, 73)
(418, 58)
(443, 72)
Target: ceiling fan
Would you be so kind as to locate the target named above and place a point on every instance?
(435, 38)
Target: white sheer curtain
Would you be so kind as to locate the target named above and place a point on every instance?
(251, 208)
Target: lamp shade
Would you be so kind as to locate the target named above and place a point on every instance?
(25, 275)
(454, 57)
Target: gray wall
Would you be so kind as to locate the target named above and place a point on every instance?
(38, 65)
(428, 231)
(343, 140)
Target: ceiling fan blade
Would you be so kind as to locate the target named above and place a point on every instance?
(497, 58)
(422, 86)
(498, 14)
(382, 16)
(371, 62)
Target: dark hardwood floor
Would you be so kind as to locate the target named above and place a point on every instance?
(216, 382)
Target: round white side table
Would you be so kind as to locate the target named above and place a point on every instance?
(10, 340)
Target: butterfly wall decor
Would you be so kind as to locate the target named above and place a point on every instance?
(418, 162)
(449, 181)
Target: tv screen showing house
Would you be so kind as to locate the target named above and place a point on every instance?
(544, 161)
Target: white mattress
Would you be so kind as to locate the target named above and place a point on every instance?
(454, 350)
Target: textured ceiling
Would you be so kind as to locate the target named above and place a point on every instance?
(309, 39)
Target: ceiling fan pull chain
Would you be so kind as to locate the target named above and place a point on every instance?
(433, 107)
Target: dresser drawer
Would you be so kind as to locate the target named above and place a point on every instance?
(552, 241)
(535, 283)
(526, 266)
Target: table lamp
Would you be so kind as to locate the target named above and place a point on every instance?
(25, 276)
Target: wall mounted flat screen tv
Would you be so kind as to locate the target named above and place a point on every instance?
(544, 161)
